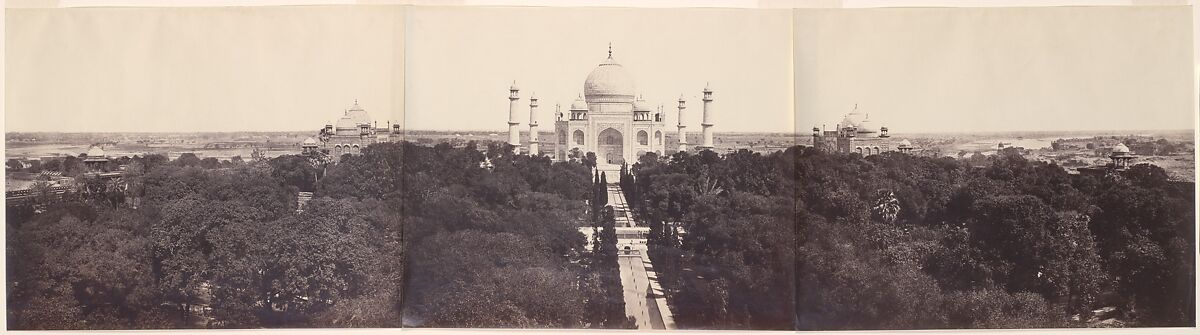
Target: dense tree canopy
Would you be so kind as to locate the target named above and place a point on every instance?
(500, 247)
(443, 236)
(199, 244)
(721, 235)
(896, 241)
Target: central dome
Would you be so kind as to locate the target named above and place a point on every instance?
(357, 115)
(852, 120)
(609, 83)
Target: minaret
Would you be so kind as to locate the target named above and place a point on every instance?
(514, 135)
(533, 135)
(708, 123)
(682, 135)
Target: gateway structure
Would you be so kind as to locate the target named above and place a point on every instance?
(608, 119)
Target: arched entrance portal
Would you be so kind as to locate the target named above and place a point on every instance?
(612, 149)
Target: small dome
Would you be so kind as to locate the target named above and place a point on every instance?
(905, 143)
(640, 105)
(95, 151)
(514, 86)
(1120, 148)
(610, 82)
(354, 117)
(579, 104)
(310, 140)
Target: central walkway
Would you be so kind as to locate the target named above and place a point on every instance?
(616, 199)
(644, 299)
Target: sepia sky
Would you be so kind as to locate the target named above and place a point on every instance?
(461, 62)
(296, 68)
(996, 69)
(200, 69)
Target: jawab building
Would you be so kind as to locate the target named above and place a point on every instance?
(608, 119)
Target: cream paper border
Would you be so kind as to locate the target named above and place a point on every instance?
(641, 4)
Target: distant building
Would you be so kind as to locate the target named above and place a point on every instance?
(608, 118)
(310, 146)
(905, 147)
(1121, 159)
(352, 132)
(21, 188)
(96, 159)
(856, 134)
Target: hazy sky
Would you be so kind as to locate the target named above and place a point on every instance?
(462, 60)
(1067, 68)
(296, 68)
(200, 69)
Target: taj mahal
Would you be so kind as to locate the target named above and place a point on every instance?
(607, 119)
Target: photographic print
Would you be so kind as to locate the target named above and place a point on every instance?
(598, 168)
(995, 168)
(484, 168)
(175, 167)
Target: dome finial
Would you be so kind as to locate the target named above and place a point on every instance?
(609, 49)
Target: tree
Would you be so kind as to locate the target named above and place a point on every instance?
(77, 274)
(589, 160)
(210, 163)
(309, 275)
(295, 171)
(188, 159)
(524, 214)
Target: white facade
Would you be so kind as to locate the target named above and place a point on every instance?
(609, 120)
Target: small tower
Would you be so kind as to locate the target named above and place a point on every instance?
(1121, 156)
(816, 137)
(514, 135)
(708, 122)
(533, 124)
(682, 134)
